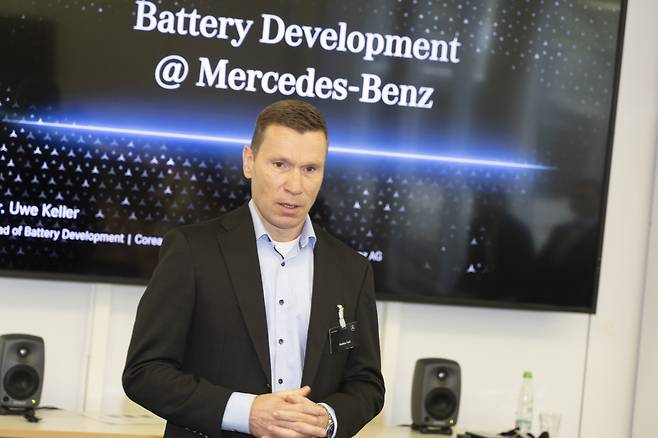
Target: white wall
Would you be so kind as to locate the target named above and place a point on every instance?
(585, 367)
(493, 347)
(59, 313)
(644, 421)
(86, 329)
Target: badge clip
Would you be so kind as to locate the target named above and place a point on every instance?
(341, 316)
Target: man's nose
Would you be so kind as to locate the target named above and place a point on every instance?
(294, 182)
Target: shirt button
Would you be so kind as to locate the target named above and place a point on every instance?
(280, 341)
(283, 263)
(280, 381)
(281, 302)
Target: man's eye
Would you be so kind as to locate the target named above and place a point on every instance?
(279, 164)
(311, 169)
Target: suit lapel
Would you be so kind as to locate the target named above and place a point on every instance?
(323, 311)
(238, 246)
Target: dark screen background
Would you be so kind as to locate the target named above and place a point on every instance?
(501, 204)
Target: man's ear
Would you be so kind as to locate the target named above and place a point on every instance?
(247, 161)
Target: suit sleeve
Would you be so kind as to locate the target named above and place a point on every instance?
(153, 376)
(361, 395)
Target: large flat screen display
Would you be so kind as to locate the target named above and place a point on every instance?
(469, 140)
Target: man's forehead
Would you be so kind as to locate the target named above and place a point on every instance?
(289, 141)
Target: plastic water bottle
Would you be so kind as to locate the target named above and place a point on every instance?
(524, 406)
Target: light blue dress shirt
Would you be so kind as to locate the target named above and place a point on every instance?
(287, 275)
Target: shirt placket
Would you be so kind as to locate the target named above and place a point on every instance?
(285, 317)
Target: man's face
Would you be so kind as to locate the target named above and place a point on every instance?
(286, 174)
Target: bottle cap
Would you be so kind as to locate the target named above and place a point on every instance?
(527, 374)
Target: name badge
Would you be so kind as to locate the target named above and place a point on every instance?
(344, 336)
(341, 339)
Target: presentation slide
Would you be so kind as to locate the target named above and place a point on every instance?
(469, 141)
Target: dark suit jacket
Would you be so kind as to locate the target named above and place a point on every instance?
(201, 331)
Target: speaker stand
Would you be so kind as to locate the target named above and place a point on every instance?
(439, 430)
(28, 413)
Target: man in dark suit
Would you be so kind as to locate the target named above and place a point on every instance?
(259, 322)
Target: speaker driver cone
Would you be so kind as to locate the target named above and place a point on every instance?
(21, 382)
(440, 404)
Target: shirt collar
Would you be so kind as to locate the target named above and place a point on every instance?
(306, 237)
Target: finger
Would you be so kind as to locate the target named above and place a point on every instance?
(280, 431)
(310, 409)
(302, 392)
(305, 429)
(305, 391)
(296, 430)
(315, 420)
(293, 398)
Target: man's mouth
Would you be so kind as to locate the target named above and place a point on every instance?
(288, 206)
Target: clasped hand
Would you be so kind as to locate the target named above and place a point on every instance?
(287, 414)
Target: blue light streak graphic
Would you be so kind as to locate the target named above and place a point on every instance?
(140, 132)
(244, 141)
(439, 158)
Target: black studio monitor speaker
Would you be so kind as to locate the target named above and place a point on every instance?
(21, 371)
(435, 395)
